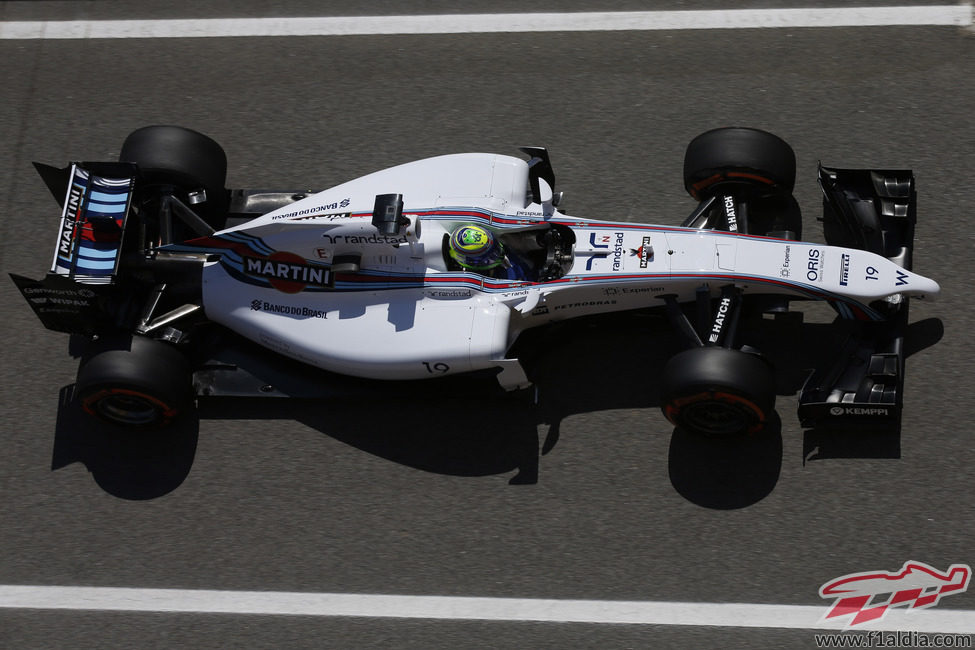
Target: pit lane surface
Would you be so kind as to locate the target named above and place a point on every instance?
(594, 497)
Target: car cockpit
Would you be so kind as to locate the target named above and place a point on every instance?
(534, 254)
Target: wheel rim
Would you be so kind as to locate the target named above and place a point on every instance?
(127, 410)
(716, 418)
(127, 407)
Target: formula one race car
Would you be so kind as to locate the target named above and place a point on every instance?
(435, 268)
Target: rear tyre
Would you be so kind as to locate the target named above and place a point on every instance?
(718, 392)
(135, 382)
(177, 157)
(738, 156)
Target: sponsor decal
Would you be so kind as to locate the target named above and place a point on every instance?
(586, 303)
(616, 291)
(618, 252)
(539, 311)
(869, 595)
(372, 238)
(451, 293)
(48, 300)
(785, 271)
(72, 209)
(287, 272)
(901, 278)
(814, 264)
(645, 252)
(838, 411)
(328, 217)
(55, 300)
(274, 344)
(83, 293)
(593, 258)
(287, 310)
(642, 289)
(844, 269)
(603, 240)
(719, 319)
(314, 213)
(729, 211)
(528, 213)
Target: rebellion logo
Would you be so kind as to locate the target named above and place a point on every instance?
(287, 272)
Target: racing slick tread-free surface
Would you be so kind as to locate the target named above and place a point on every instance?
(716, 391)
(738, 155)
(182, 157)
(134, 381)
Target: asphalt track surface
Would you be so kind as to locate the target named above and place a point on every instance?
(592, 495)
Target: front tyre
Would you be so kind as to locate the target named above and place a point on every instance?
(740, 157)
(134, 382)
(718, 392)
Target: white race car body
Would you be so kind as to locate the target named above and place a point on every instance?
(399, 311)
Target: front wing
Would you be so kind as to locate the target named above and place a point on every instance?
(875, 211)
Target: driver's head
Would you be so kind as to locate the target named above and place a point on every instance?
(475, 248)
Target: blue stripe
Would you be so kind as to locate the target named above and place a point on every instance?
(104, 197)
(97, 253)
(255, 243)
(96, 264)
(106, 208)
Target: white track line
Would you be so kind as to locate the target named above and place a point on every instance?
(463, 608)
(958, 15)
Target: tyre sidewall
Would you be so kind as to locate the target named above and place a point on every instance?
(134, 382)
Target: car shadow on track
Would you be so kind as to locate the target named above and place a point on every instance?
(127, 464)
(726, 474)
(857, 440)
(582, 366)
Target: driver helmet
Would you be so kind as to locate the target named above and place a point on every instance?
(476, 248)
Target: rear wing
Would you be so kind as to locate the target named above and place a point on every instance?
(95, 199)
(93, 219)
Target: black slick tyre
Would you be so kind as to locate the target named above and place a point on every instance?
(184, 159)
(718, 392)
(739, 156)
(134, 382)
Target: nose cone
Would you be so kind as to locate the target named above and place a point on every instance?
(922, 287)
